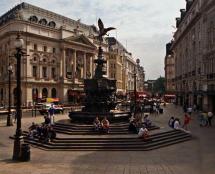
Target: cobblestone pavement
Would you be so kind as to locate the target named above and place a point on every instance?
(194, 157)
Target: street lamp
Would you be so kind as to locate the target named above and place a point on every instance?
(18, 43)
(135, 87)
(135, 82)
(9, 116)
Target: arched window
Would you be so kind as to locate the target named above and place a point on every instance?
(2, 95)
(54, 93)
(52, 24)
(33, 19)
(43, 21)
(35, 57)
(34, 94)
(44, 93)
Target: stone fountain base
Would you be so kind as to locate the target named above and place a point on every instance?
(88, 117)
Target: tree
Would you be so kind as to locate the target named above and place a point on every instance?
(159, 86)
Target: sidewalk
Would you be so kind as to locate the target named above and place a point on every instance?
(193, 157)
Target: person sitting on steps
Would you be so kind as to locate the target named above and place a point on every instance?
(133, 127)
(171, 122)
(143, 133)
(147, 122)
(97, 124)
(105, 124)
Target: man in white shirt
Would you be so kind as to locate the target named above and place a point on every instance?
(177, 124)
(143, 133)
(189, 110)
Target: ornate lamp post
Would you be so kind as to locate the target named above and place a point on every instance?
(135, 83)
(9, 116)
(135, 87)
(18, 136)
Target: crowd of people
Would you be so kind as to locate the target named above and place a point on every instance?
(44, 132)
(205, 119)
(139, 122)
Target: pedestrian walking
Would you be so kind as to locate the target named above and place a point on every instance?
(210, 116)
(189, 110)
(186, 121)
(51, 112)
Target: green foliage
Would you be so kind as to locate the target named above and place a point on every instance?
(159, 86)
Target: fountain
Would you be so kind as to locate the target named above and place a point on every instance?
(100, 91)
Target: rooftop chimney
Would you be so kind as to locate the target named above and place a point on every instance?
(189, 4)
(183, 13)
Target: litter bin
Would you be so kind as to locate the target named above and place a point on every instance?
(25, 152)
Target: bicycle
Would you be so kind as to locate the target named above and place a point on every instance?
(203, 120)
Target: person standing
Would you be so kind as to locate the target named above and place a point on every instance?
(51, 112)
(189, 110)
(210, 116)
(186, 121)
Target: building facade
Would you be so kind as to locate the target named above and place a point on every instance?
(122, 67)
(60, 53)
(116, 59)
(194, 50)
(140, 76)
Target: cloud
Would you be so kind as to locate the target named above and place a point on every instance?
(144, 24)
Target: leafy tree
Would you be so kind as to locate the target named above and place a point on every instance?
(159, 86)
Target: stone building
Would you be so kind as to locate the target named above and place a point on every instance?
(122, 67)
(194, 50)
(60, 54)
(140, 76)
(116, 60)
(169, 68)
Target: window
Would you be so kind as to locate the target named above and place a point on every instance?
(54, 93)
(52, 24)
(53, 73)
(44, 93)
(35, 47)
(2, 94)
(54, 50)
(33, 19)
(45, 48)
(43, 21)
(34, 71)
(44, 72)
(35, 58)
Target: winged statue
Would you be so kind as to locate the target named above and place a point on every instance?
(103, 31)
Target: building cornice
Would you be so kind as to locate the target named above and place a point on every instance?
(188, 13)
(34, 9)
(188, 28)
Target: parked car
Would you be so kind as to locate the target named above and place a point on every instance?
(45, 107)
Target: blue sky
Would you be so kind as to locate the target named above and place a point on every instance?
(145, 25)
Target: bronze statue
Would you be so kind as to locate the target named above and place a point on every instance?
(103, 31)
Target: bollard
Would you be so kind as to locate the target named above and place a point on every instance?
(25, 152)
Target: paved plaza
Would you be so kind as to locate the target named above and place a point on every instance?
(194, 157)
